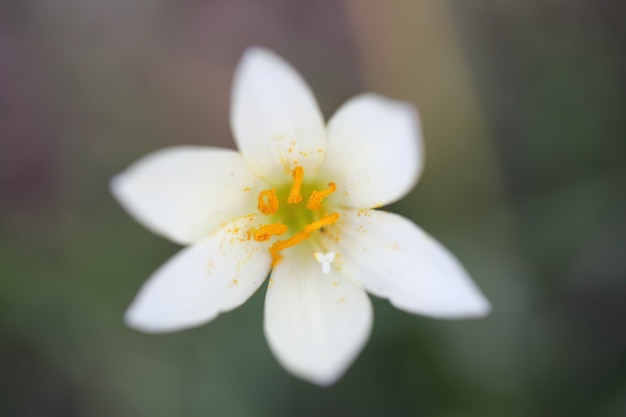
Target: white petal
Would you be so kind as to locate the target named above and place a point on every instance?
(185, 193)
(395, 259)
(374, 150)
(212, 276)
(274, 116)
(315, 323)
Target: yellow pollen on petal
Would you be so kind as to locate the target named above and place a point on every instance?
(271, 205)
(266, 232)
(317, 196)
(318, 224)
(294, 194)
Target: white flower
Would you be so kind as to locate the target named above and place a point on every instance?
(296, 202)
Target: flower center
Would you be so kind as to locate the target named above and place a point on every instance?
(293, 217)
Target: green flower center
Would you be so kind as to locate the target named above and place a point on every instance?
(298, 218)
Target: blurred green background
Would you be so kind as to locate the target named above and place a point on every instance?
(522, 104)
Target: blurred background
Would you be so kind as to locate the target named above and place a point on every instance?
(522, 106)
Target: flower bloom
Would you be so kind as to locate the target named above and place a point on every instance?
(296, 203)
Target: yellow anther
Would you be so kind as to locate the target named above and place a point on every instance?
(294, 194)
(267, 202)
(280, 245)
(266, 232)
(317, 196)
(318, 224)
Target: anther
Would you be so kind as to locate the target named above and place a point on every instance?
(294, 194)
(271, 205)
(266, 232)
(317, 196)
(318, 224)
(280, 245)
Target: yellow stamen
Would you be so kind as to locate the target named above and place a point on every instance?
(266, 232)
(318, 224)
(317, 196)
(269, 207)
(294, 194)
(280, 245)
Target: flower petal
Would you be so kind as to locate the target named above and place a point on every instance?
(212, 276)
(274, 116)
(375, 147)
(185, 193)
(315, 323)
(393, 258)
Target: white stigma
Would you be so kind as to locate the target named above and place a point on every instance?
(325, 260)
